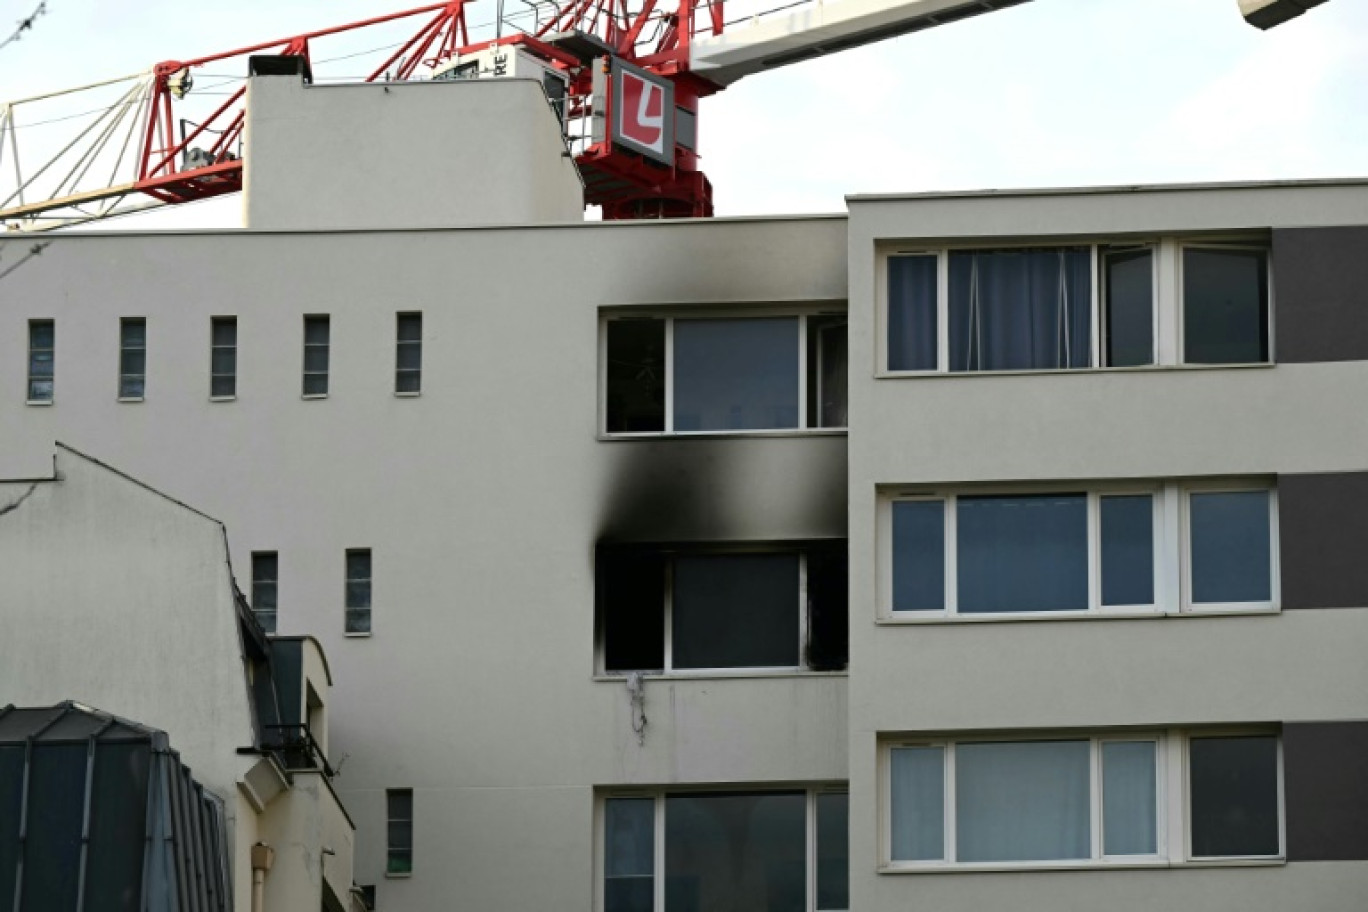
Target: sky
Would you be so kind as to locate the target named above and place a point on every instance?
(1050, 93)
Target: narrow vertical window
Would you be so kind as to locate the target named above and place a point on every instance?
(223, 358)
(912, 312)
(42, 348)
(408, 362)
(358, 590)
(833, 851)
(265, 580)
(132, 358)
(399, 831)
(629, 856)
(636, 376)
(919, 555)
(827, 367)
(917, 791)
(1128, 276)
(1129, 798)
(1127, 549)
(316, 334)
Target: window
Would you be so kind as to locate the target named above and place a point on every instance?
(408, 360)
(726, 850)
(399, 832)
(1081, 799)
(132, 358)
(358, 591)
(1114, 548)
(265, 580)
(686, 375)
(316, 333)
(223, 357)
(42, 351)
(696, 610)
(1056, 308)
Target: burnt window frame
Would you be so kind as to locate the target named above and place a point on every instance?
(812, 320)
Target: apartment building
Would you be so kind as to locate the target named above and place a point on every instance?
(964, 550)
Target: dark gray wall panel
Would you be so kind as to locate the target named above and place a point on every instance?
(1326, 790)
(1320, 294)
(1322, 528)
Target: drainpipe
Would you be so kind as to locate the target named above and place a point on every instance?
(263, 856)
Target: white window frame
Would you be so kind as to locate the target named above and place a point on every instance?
(670, 556)
(804, 316)
(658, 795)
(1171, 544)
(1173, 826)
(1167, 306)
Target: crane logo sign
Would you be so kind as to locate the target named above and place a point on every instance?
(643, 112)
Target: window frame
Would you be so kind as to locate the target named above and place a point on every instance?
(30, 376)
(1173, 801)
(274, 611)
(305, 345)
(389, 818)
(124, 324)
(805, 315)
(1171, 549)
(347, 580)
(399, 343)
(658, 795)
(214, 349)
(1167, 304)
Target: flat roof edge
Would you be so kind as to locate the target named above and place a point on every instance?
(1106, 189)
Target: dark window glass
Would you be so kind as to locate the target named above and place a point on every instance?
(223, 357)
(636, 376)
(358, 596)
(265, 583)
(11, 802)
(1020, 309)
(408, 370)
(1128, 550)
(1234, 784)
(317, 332)
(736, 851)
(1129, 307)
(1022, 801)
(52, 850)
(1225, 306)
(1129, 815)
(912, 330)
(827, 371)
(399, 831)
(118, 814)
(735, 611)
(132, 358)
(919, 555)
(739, 374)
(1023, 553)
(828, 647)
(42, 352)
(629, 855)
(631, 599)
(833, 851)
(1231, 548)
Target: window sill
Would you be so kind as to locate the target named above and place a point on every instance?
(716, 675)
(1067, 371)
(40, 403)
(131, 399)
(1155, 864)
(407, 395)
(223, 398)
(389, 876)
(712, 435)
(357, 634)
(314, 396)
(891, 620)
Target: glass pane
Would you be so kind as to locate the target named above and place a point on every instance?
(912, 339)
(40, 364)
(832, 376)
(131, 387)
(133, 361)
(1231, 557)
(630, 592)
(400, 834)
(409, 356)
(1129, 802)
(629, 855)
(919, 555)
(358, 594)
(223, 361)
(315, 330)
(736, 611)
(264, 594)
(41, 334)
(1020, 309)
(736, 374)
(315, 384)
(224, 385)
(1023, 553)
(358, 564)
(52, 850)
(410, 327)
(358, 620)
(399, 804)
(408, 382)
(917, 801)
(1128, 550)
(118, 815)
(225, 332)
(1023, 801)
(833, 851)
(1225, 306)
(735, 853)
(133, 334)
(636, 376)
(400, 861)
(40, 390)
(266, 618)
(12, 762)
(1130, 307)
(266, 567)
(1234, 785)
(316, 358)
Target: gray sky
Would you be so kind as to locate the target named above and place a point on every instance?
(1050, 93)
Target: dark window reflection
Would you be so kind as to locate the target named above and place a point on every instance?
(1234, 796)
(1225, 306)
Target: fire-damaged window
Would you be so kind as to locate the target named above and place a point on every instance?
(678, 375)
(687, 609)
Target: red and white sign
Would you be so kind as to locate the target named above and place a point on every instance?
(643, 112)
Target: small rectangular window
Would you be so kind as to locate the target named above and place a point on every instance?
(399, 831)
(1225, 306)
(408, 362)
(1127, 549)
(833, 851)
(913, 333)
(317, 330)
(827, 372)
(132, 358)
(358, 591)
(919, 555)
(265, 582)
(1230, 547)
(1234, 800)
(1129, 798)
(223, 357)
(1128, 277)
(636, 376)
(42, 354)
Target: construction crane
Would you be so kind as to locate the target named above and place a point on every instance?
(626, 77)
